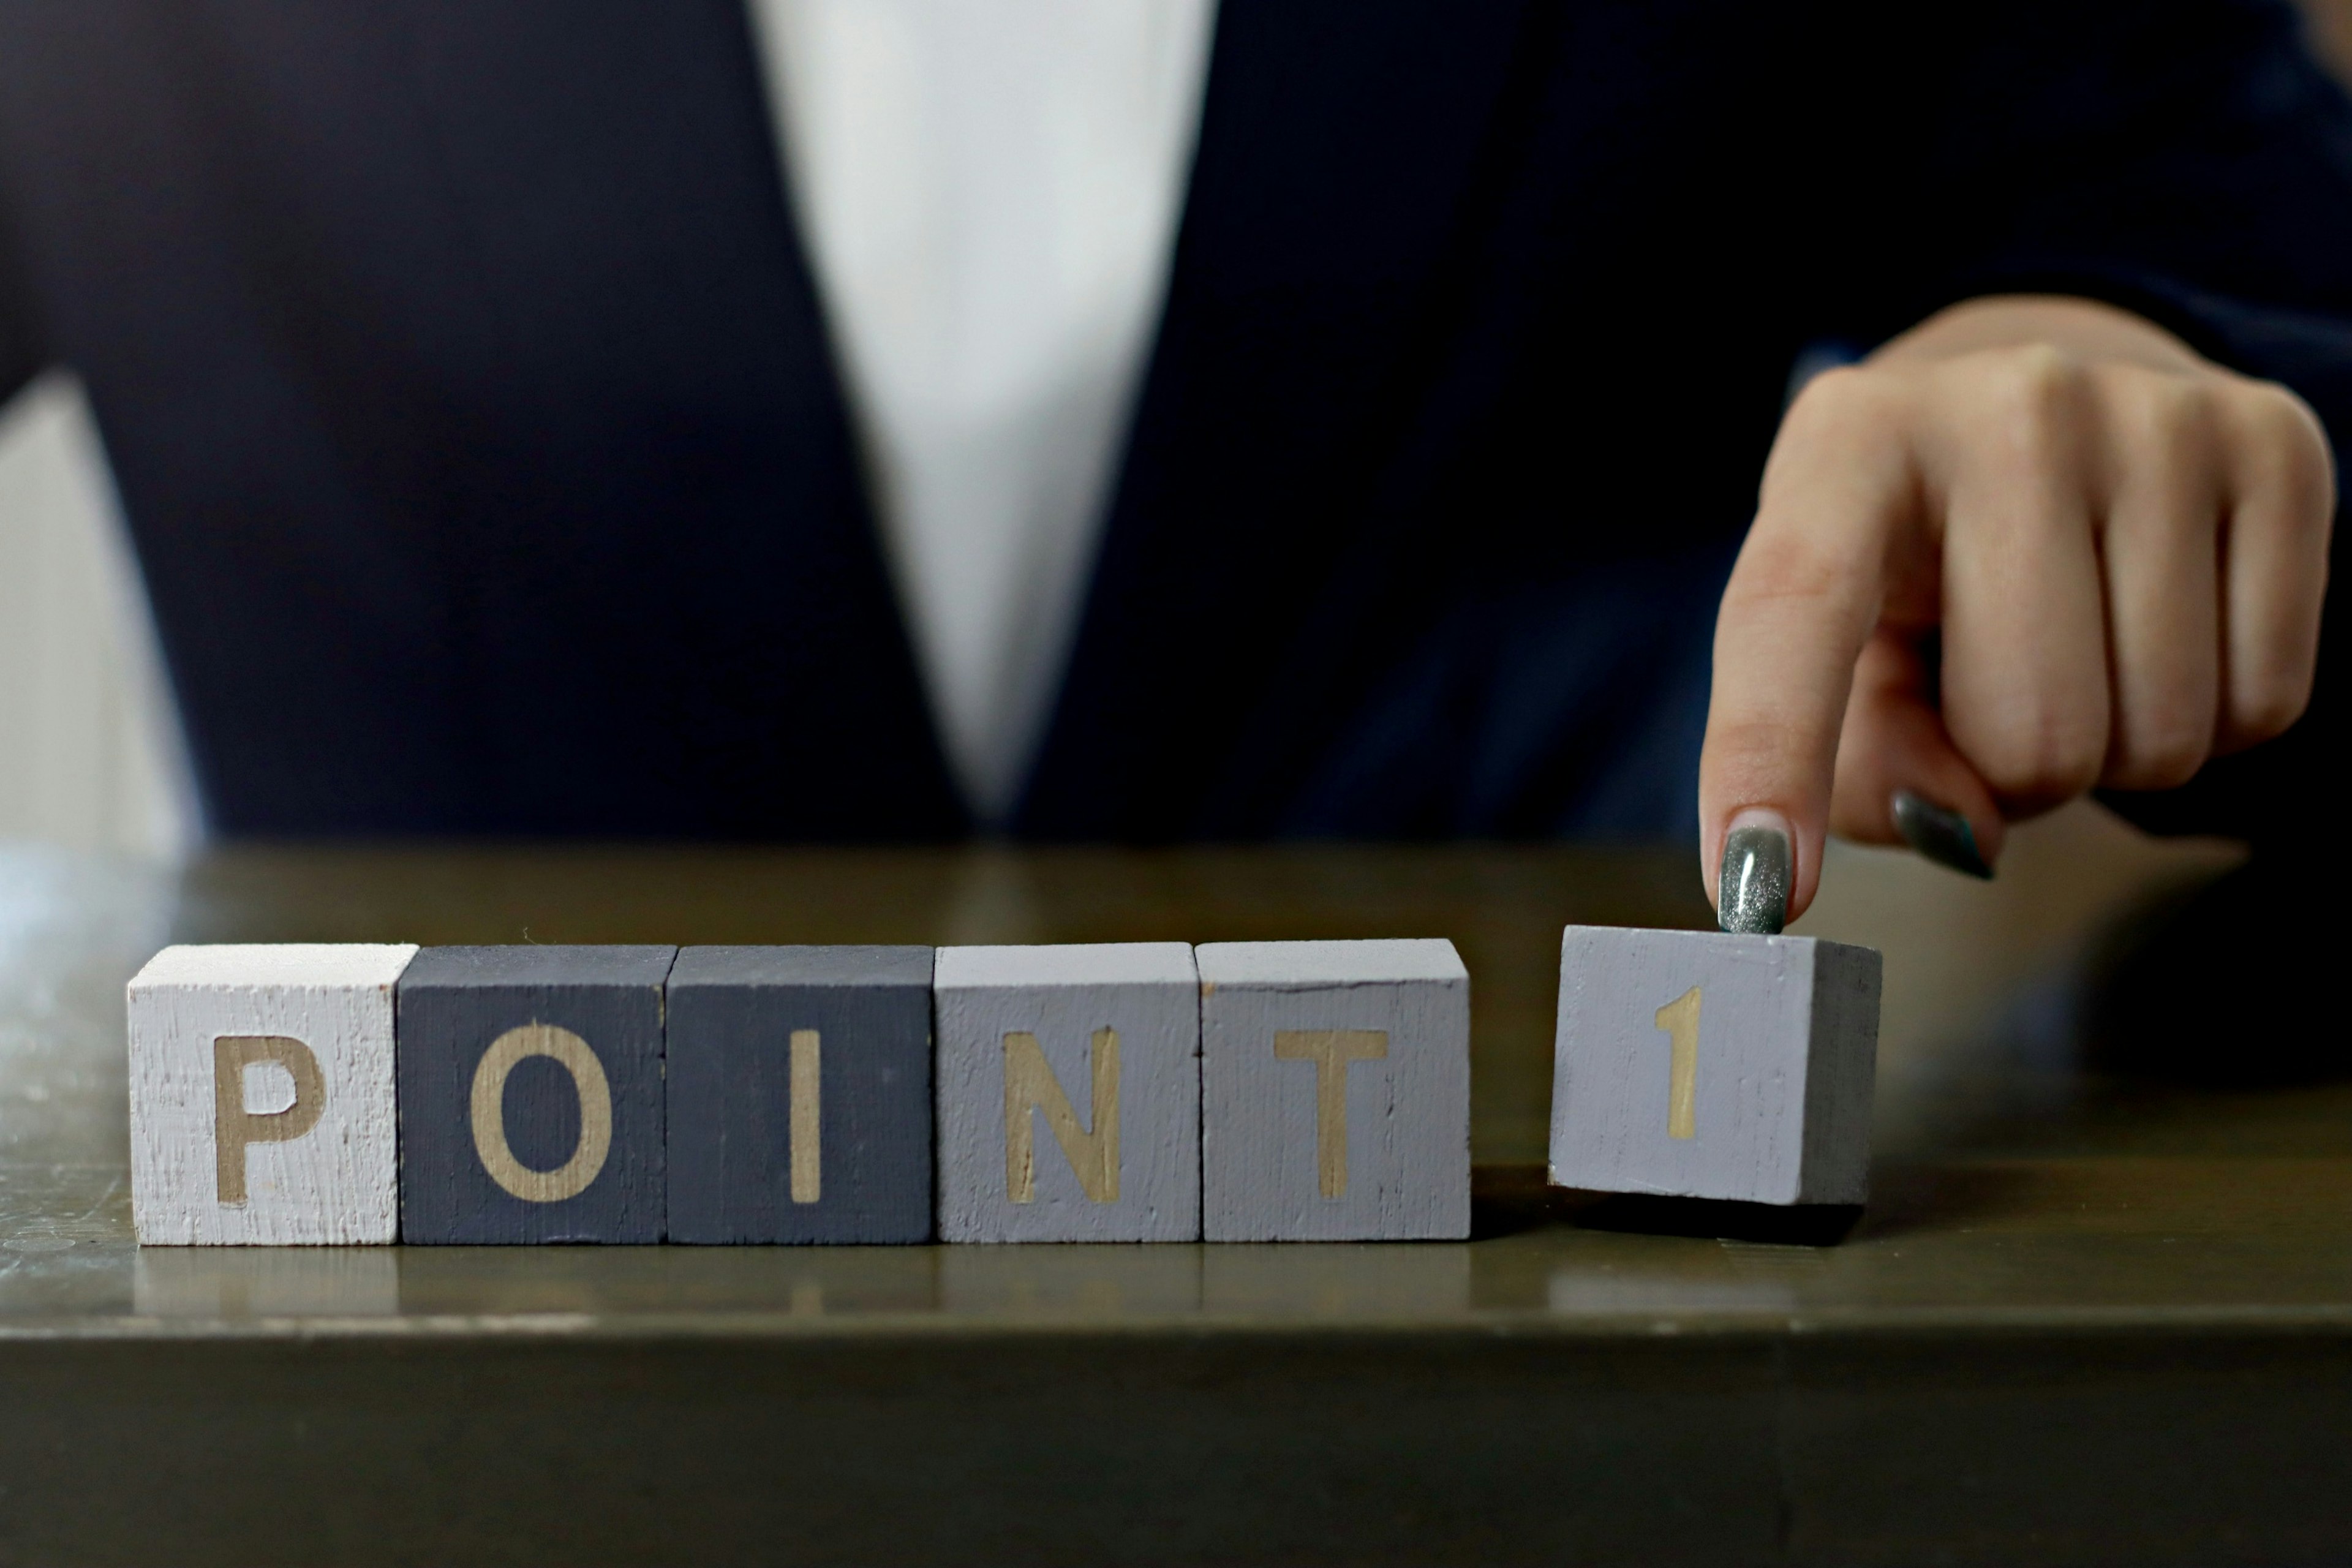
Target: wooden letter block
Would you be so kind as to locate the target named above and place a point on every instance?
(1069, 1093)
(1335, 1091)
(1702, 1064)
(530, 1094)
(800, 1094)
(261, 1095)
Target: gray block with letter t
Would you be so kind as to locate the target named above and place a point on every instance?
(1703, 1064)
(530, 1094)
(1068, 1093)
(800, 1094)
(1335, 1091)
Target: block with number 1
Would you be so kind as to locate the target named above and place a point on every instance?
(1713, 1065)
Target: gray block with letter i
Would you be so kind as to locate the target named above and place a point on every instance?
(1703, 1064)
(1335, 1090)
(1068, 1093)
(530, 1094)
(800, 1094)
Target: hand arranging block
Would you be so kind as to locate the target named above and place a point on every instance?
(1335, 1084)
(1707, 1065)
(530, 1094)
(261, 1094)
(1069, 1093)
(800, 1094)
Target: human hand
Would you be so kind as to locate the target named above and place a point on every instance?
(2034, 546)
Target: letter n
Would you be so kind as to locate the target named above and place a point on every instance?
(1030, 1085)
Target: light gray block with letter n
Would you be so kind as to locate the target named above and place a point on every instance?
(262, 1095)
(1069, 1092)
(1335, 1090)
(1708, 1065)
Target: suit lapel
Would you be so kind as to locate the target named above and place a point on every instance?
(1340, 149)
(671, 534)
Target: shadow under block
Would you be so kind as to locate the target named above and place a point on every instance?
(1069, 1092)
(1335, 1091)
(261, 1095)
(1708, 1065)
(530, 1094)
(800, 1094)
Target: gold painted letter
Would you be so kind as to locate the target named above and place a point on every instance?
(808, 1151)
(1030, 1084)
(234, 1127)
(570, 1178)
(1679, 1019)
(1331, 1050)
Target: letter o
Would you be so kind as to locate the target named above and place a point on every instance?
(570, 1178)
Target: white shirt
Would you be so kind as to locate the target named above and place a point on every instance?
(990, 190)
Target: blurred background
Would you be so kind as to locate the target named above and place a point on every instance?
(90, 752)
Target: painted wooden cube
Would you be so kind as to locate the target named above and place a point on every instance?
(800, 1094)
(1068, 1093)
(1335, 1090)
(262, 1093)
(530, 1094)
(1702, 1064)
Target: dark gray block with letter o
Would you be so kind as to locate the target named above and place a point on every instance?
(800, 1094)
(530, 1094)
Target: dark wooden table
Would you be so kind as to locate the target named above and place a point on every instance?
(2083, 1320)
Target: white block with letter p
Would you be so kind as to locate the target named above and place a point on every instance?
(1710, 1065)
(262, 1096)
(1335, 1090)
(1069, 1084)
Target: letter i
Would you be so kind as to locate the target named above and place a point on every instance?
(808, 1154)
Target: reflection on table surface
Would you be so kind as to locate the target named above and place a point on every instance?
(2010, 1186)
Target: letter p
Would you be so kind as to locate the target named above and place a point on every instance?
(235, 1127)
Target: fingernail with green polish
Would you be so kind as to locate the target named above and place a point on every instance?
(1940, 833)
(1752, 896)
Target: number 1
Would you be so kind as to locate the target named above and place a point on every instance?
(1679, 1019)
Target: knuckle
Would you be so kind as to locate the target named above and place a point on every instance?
(2170, 415)
(1844, 390)
(1844, 406)
(2279, 413)
(2035, 383)
(2160, 753)
(1828, 420)
(2048, 758)
(2026, 405)
(2286, 448)
(2269, 705)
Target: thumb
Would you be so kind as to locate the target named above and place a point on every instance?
(1899, 777)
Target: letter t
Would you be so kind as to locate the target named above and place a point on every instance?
(1331, 1050)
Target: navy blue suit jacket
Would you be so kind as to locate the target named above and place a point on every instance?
(482, 443)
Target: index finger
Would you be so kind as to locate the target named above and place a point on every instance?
(1805, 594)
